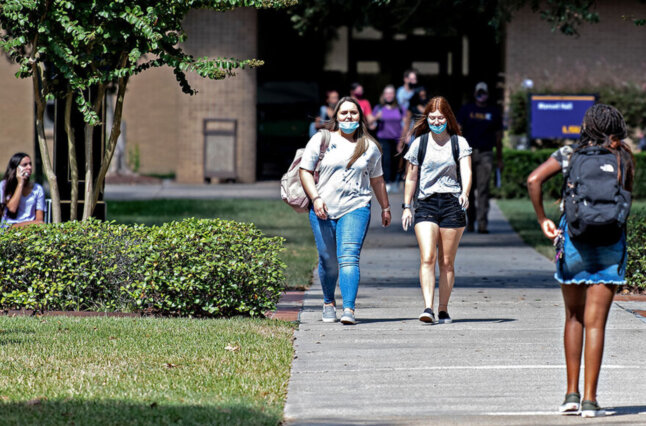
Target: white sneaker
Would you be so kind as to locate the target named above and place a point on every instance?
(348, 317)
(329, 313)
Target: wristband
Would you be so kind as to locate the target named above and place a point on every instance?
(405, 206)
(316, 198)
(387, 209)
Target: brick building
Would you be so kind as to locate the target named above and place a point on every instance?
(608, 52)
(266, 112)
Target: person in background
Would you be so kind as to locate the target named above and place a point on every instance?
(415, 110)
(482, 126)
(388, 116)
(22, 201)
(440, 187)
(356, 91)
(325, 112)
(407, 90)
(588, 271)
(340, 207)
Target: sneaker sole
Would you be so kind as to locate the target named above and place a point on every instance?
(348, 321)
(445, 321)
(569, 409)
(329, 319)
(426, 318)
(593, 413)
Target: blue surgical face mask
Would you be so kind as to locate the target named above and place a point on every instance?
(348, 127)
(436, 129)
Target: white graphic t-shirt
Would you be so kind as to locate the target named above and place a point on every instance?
(343, 190)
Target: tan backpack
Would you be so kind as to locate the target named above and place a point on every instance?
(291, 188)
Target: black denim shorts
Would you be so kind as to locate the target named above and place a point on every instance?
(441, 209)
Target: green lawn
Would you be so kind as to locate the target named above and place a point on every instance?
(143, 371)
(273, 217)
(521, 216)
(151, 371)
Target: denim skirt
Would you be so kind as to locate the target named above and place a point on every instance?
(584, 263)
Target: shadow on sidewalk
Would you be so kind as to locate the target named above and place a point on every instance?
(526, 279)
(495, 320)
(627, 410)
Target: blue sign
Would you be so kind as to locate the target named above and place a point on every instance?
(554, 116)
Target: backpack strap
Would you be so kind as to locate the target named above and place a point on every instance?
(455, 147)
(324, 143)
(421, 154)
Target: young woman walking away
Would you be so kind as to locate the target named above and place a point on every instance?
(442, 175)
(340, 208)
(591, 262)
(22, 202)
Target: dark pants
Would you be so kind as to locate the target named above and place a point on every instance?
(482, 166)
(390, 162)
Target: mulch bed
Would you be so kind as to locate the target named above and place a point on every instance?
(288, 308)
(32, 313)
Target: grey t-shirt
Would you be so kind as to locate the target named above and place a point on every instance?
(562, 155)
(439, 171)
(342, 189)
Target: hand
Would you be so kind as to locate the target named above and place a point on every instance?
(400, 147)
(407, 219)
(549, 229)
(385, 218)
(21, 175)
(464, 201)
(320, 209)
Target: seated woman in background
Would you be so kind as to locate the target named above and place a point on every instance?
(22, 201)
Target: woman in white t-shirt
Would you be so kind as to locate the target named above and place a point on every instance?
(340, 208)
(22, 201)
(442, 199)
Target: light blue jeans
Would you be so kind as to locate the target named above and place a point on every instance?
(339, 243)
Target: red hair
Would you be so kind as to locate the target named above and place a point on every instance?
(438, 103)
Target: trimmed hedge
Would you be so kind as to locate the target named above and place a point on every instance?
(201, 268)
(519, 164)
(636, 263)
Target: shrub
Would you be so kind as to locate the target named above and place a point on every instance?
(636, 263)
(519, 164)
(189, 268)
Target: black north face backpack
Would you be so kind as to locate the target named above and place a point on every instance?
(596, 205)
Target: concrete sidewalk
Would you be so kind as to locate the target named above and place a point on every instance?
(500, 362)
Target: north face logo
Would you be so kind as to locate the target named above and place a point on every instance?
(608, 168)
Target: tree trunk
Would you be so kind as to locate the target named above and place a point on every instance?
(71, 150)
(89, 172)
(42, 144)
(88, 196)
(112, 142)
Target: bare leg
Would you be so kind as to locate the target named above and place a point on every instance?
(597, 306)
(448, 247)
(427, 237)
(574, 297)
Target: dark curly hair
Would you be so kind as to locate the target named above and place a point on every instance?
(604, 125)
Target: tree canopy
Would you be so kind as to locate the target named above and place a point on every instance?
(565, 16)
(76, 50)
